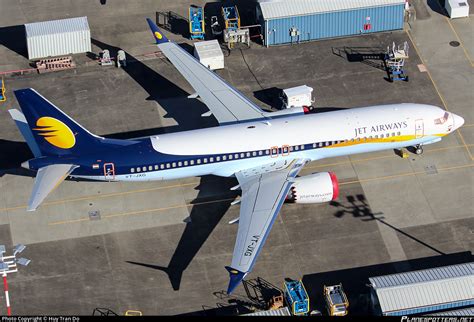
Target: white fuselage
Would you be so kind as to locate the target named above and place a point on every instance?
(227, 149)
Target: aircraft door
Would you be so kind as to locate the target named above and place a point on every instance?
(109, 171)
(419, 128)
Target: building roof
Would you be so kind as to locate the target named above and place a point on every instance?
(272, 9)
(461, 312)
(56, 26)
(425, 287)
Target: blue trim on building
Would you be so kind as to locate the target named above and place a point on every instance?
(431, 308)
(333, 24)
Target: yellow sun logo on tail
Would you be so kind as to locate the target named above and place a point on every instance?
(55, 132)
(158, 35)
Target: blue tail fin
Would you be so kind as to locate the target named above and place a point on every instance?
(55, 133)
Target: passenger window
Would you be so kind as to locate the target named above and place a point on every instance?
(274, 151)
(248, 154)
(260, 152)
(211, 159)
(198, 161)
(218, 159)
(162, 166)
(254, 153)
(205, 160)
(296, 148)
(242, 155)
(139, 169)
(285, 150)
(236, 155)
(399, 133)
(267, 152)
(173, 164)
(393, 134)
(230, 156)
(150, 168)
(156, 166)
(167, 166)
(376, 136)
(302, 147)
(224, 158)
(180, 164)
(132, 170)
(191, 162)
(144, 168)
(320, 144)
(314, 145)
(185, 163)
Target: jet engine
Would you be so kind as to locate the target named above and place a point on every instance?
(314, 188)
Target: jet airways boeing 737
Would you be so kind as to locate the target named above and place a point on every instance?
(264, 151)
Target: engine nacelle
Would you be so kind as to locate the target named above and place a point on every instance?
(314, 188)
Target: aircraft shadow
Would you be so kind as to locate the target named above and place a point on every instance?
(174, 100)
(359, 208)
(204, 217)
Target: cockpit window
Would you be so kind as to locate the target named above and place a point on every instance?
(442, 120)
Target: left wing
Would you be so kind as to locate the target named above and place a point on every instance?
(225, 102)
(264, 190)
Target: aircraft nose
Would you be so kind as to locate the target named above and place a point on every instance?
(458, 121)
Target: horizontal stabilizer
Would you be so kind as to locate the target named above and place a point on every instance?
(47, 179)
(24, 128)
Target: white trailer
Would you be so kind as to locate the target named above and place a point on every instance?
(209, 53)
(297, 96)
(457, 8)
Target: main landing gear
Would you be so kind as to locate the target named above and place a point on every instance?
(418, 149)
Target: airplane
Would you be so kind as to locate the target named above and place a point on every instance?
(264, 151)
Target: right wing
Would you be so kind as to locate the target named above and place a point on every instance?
(47, 179)
(264, 190)
(225, 102)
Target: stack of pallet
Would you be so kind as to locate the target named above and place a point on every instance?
(55, 64)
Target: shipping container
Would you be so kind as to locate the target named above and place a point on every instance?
(58, 37)
(286, 22)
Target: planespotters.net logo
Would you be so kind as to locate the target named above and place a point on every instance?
(437, 319)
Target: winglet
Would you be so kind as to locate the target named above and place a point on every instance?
(159, 37)
(235, 278)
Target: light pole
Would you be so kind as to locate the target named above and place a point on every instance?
(8, 265)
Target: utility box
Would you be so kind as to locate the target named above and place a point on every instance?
(296, 96)
(336, 300)
(296, 297)
(58, 37)
(209, 53)
(457, 8)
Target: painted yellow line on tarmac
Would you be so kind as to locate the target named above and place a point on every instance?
(139, 212)
(105, 195)
(382, 157)
(118, 194)
(460, 41)
(437, 91)
(406, 174)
